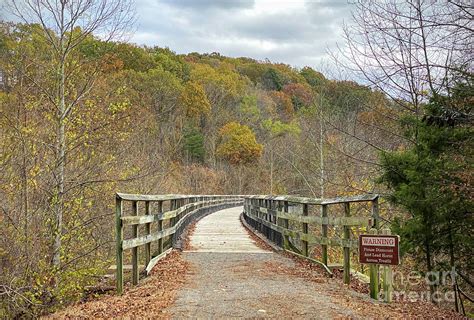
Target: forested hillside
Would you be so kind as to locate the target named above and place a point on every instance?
(147, 120)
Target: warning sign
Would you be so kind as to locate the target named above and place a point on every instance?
(379, 249)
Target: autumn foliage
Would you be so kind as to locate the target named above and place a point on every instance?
(238, 145)
(194, 100)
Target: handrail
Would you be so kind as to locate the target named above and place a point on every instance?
(170, 224)
(164, 197)
(271, 215)
(316, 201)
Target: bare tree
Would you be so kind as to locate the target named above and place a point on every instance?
(65, 25)
(411, 49)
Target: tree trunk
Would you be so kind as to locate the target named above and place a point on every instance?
(429, 268)
(240, 179)
(453, 268)
(321, 152)
(271, 171)
(60, 158)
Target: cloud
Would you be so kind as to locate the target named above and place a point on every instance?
(292, 32)
(209, 4)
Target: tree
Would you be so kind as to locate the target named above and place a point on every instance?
(194, 144)
(194, 100)
(411, 50)
(277, 129)
(65, 25)
(301, 95)
(238, 146)
(429, 180)
(313, 77)
(249, 110)
(28, 186)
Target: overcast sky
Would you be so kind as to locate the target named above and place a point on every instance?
(296, 32)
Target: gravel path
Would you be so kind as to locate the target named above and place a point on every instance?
(230, 277)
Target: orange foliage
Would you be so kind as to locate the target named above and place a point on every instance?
(283, 103)
(300, 92)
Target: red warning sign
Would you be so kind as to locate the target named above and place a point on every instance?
(379, 249)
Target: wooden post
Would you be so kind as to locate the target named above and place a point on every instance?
(375, 213)
(286, 241)
(119, 238)
(374, 275)
(347, 249)
(376, 226)
(387, 277)
(324, 233)
(172, 222)
(305, 231)
(135, 271)
(147, 232)
(181, 204)
(160, 227)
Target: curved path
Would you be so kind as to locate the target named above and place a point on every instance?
(230, 277)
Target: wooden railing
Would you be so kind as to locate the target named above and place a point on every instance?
(169, 214)
(285, 220)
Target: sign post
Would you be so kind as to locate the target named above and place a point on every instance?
(377, 250)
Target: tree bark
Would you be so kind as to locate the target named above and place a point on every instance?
(60, 157)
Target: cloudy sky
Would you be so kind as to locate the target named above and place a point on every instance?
(295, 32)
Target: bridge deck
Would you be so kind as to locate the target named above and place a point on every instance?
(231, 277)
(222, 232)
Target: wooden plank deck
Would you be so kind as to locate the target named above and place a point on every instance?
(223, 232)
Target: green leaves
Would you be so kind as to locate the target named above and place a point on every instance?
(249, 108)
(194, 144)
(276, 128)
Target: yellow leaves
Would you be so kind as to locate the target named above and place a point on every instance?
(194, 100)
(26, 130)
(238, 145)
(119, 106)
(223, 80)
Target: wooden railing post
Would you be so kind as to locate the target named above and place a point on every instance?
(286, 240)
(324, 234)
(172, 207)
(160, 227)
(375, 213)
(147, 232)
(135, 271)
(374, 275)
(387, 277)
(119, 238)
(346, 248)
(305, 231)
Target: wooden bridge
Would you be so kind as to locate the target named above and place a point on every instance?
(322, 231)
